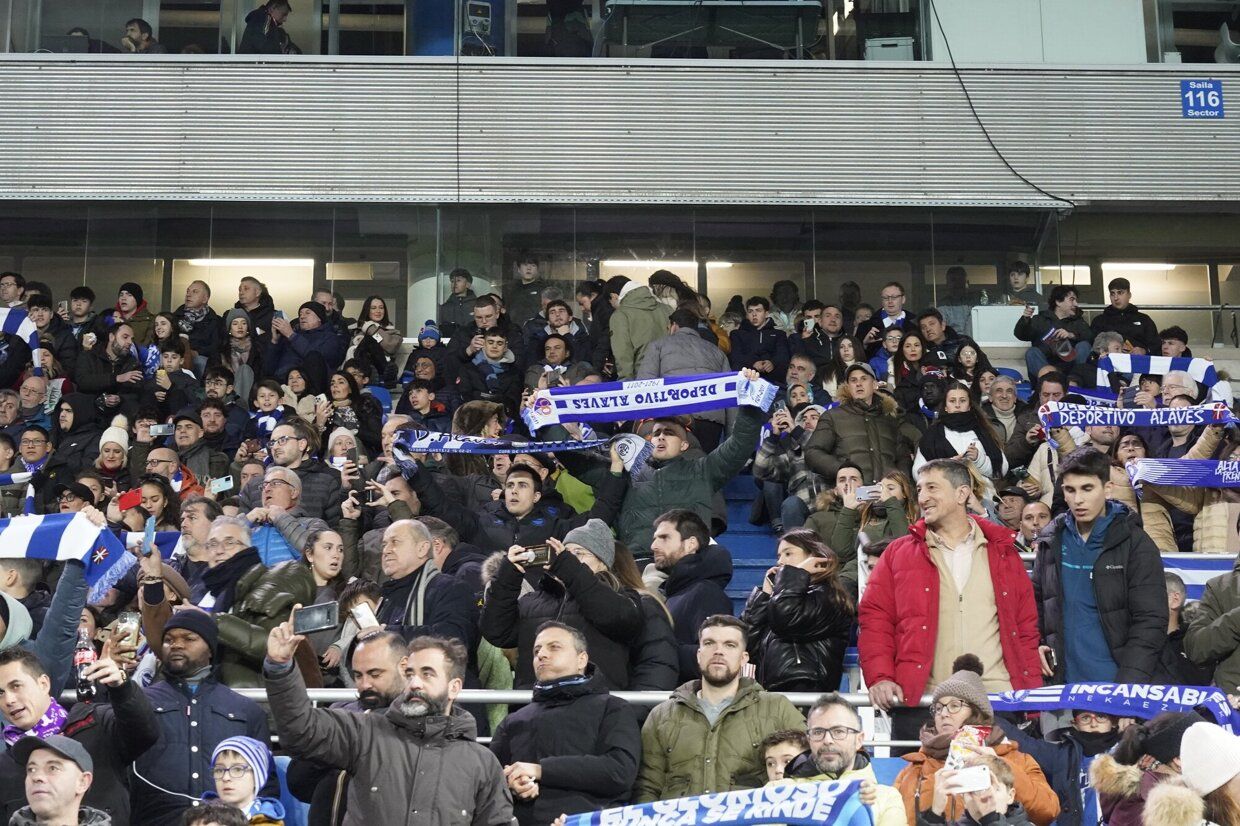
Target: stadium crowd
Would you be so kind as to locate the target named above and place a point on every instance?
(902, 475)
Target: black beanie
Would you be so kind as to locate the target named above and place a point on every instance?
(133, 289)
(1164, 745)
(198, 622)
(316, 308)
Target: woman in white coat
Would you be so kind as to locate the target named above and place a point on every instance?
(960, 432)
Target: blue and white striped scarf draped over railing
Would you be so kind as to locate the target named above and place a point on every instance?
(15, 322)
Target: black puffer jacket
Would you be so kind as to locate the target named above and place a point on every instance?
(1129, 589)
(695, 590)
(566, 591)
(586, 741)
(798, 634)
(654, 658)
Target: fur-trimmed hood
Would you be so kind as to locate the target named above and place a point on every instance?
(1111, 777)
(1174, 804)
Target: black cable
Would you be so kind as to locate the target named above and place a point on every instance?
(985, 133)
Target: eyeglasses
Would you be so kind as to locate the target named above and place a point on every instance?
(281, 440)
(1089, 718)
(153, 462)
(216, 544)
(269, 483)
(67, 497)
(32, 442)
(837, 733)
(950, 707)
(892, 296)
(235, 772)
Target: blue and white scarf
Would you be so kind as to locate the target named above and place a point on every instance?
(1196, 473)
(1201, 370)
(1060, 414)
(826, 803)
(411, 440)
(619, 401)
(64, 536)
(1122, 700)
(15, 322)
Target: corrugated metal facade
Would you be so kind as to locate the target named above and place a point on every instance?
(604, 131)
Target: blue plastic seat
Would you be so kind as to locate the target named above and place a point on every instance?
(382, 394)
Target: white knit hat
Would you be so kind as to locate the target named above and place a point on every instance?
(116, 435)
(1209, 757)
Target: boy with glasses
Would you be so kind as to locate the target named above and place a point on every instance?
(890, 315)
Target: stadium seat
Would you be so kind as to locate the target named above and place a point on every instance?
(296, 813)
(382, 394)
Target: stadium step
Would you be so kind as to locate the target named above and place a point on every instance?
(740, 488)
(738, 520)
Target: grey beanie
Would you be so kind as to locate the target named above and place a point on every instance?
(966, 683)
(596, 538)
(237, 312)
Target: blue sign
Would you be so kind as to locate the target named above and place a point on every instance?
(1201, 98)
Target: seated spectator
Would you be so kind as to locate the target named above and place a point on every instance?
(75, 434)
(22, 580)
(1208, 790)
(492, 374)
(33, 397)
(961, 432)
(1011, 504)
(131, 309)
(780, 748)
(205, 463)
(866, 429)
(789, 487)
(961, 700)
(883, 360)
(382, 751)
(693, 574)
(195, 712)
(240, 766)
(759, 345)
(312, 345)
(80, 312)
(821, 328)
(802, 370)
(173, 387)
(1028, 434)
(892, 314)
(113, 733)
(941, 340)
(556, 318)
(970, 363)
(1175, 342)
(1209, 641)
(201, 324)
(294, 444)
(1003, 407)
(237, 352)
(801, 617)
(576, 587)
(376, 339)
(214, 814)
(1033, 518)
(835, 750)
(108, 368)
(417, 598)
(1058, 335)
(574, 748)
(1122, 316)
(424, 411)
(58, 775)
(701, 740)
(554, 365)
(346, 406)
(993, 804)
(1147, 755)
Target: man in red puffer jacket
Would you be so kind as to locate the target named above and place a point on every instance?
(954, 585)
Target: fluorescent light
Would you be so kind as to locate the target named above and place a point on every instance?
(1119, 265)
(251, 262)
(1074, 268)
(629, 262)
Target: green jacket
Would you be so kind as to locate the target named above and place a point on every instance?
(1213, 639)
(263, 600)
(638, 320)
(838, 526)
(682, 755)
(876, 438)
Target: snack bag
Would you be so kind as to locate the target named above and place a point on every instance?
(957, 755)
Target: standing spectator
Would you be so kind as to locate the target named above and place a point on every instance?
(468, 342)
(960, 432)
(522, 298)
(139, 38)
(1122, 316)
(195, 711)
(702, 739)
(576, 587)
(254, 298)
(64, 344)
(264, 30)
(942, 340)
(954, 585)
(866, 429)
(573, 749)
(836, 751)
(1098, 581)
(961, 700)
(131, 309)
(375, 339)
(800, 618)
(784, 303)
(418, 759)
(193, 452)
(59, 774)
(637, 319)
(759, 344)
(293, 444)
(455, 314)
(891, 315)
(12, 289)
(594, 301)
(1213, 637)
(697, 573)
(1057, 335)
(114, 733)
(80, 313)
(493, 374)
(1175, 342)
(108, 369)
(822, 327)
(1019, 290)
(201, 324)
(684, 353)
(556, 319)
(281, 525)
(1174, 665)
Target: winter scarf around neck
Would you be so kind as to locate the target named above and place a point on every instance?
(221, 581)
(52, 722)
(934, 444)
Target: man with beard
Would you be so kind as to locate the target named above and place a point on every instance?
(378, 670)
(836, 752)
(219, 387)
(195, 712)
(575, 748)
(701, 740)
(415, 762)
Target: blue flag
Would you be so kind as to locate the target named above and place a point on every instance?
(64, 536)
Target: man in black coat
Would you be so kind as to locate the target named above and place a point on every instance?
(575, 748)
(417, 599)
(201, 324)
(114, 733)
(1099, 584)
(1122, 316)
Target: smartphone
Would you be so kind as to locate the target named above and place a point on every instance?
(253, 446)
(162, 429)
(351, 455)
(129, 499)
(970, 779)
(278, 314)
(129, 623)
(63, 307)
(868, 493)
(1052, 660)
(321, 398)
(222, 484)
(148, 535)
(1031, 307)
(321, 617)
(539, 555)
(809, 324)
(1129, 397)
(364, 615)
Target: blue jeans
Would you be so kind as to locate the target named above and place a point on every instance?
(1035, 358)
(794, 512)
(773, 495)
